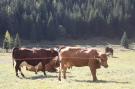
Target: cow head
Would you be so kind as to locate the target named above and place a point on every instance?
(55, 61)
(103, 60)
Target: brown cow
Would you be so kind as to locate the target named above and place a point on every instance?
(109, 51)
(75, 56)
(32, 57)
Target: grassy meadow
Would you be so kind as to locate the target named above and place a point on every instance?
(119, 75)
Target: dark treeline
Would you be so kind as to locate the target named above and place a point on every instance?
(56, 19)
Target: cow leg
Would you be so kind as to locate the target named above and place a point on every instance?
(44, 72)
(93, 71)
(16, 69)
(17, 66)
(44, 69)
(112, 54)
(36, 69)
(35, 72)
(21, 72)
(60, 69)
(64, 72)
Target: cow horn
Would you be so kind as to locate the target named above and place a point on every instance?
(52, 50)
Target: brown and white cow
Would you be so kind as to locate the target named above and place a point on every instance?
(32, 57)
(79, 57)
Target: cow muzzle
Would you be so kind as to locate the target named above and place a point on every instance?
(105, 66)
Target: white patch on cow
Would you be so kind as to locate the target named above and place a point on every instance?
(39, 64)
(23, 64)
(67, 48)
(33, 50)
(22, 48)
(86, 51)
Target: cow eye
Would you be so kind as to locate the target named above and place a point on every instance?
(102, 60)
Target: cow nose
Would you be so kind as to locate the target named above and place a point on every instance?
(106, 66)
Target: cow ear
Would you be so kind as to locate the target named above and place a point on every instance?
(107, 54)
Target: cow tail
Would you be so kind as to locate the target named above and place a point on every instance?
(13, 54)
(13, 57)
(60, 67)
(13, 61)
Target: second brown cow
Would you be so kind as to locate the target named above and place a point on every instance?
(79, 57)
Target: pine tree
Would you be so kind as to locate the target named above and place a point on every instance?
(17, 42)
(7, 41)
(11, 42)
(124, 41)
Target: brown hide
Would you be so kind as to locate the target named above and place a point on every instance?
(33, 54)
(74, 56)
(79, 57)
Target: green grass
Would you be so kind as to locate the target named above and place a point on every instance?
(119, 75)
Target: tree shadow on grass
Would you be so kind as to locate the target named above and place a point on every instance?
(102, 81)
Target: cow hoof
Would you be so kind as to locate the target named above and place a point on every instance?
(95, 80)
(45, 75)
(23, 75)
(17, 76)
(59, 79)
(64, 77)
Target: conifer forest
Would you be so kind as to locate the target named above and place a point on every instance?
(58, 19)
